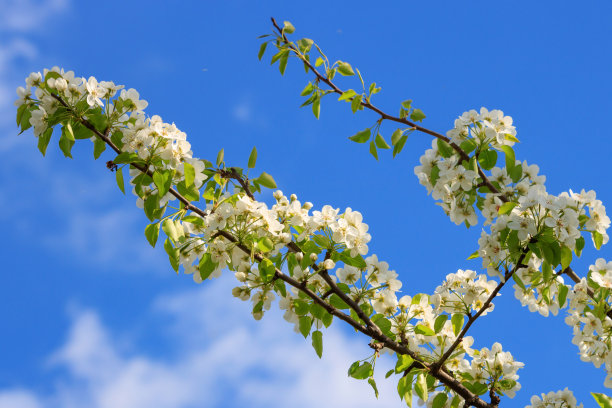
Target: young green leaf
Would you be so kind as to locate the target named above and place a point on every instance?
(344, 68)
(220, 157)
(43, 140)
(119, 178)
(373, 384)
(288, 28)
(421, 387)
(262, 50)
(417, 115)
(505, 208)
(305, 323)
(381, 143)
(152, 233)
(99, 147)
(317, 342)
(361, 137)
(266, 180)
(457, 321)
(397, 147)
(373, 150)
(252, 158)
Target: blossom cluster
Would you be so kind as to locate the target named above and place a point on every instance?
(328, 249)
(560, 399)
(591, 325)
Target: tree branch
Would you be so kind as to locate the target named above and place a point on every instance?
(384, 115)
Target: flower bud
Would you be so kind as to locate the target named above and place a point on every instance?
(293, 197)
(314, 257)
(278, 194)
(299, 256)
(329, 264)
(307, 205)
(61, 84)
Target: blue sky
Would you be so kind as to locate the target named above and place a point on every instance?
(92, 316)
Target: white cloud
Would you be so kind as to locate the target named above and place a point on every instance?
(28, 15)
(242, 112)
(234, 362)
(18, 399)
(19, 19)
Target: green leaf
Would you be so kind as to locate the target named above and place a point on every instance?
(189, 174)
(305, 323)
(220, 157)
(457, 321)
(381, 143)
(119, 178)
(344, 68)
(266, 270)
(152, 233)
(20, 112)
(566, 257)
(163, 181)
(206, 266)
(356, 261)
(421, 387)
(279, 287)
(356, 103)
(99, 147)
(338, 303)
(396, 135)
(424, 330)
(347, 95)
(439, 323)
(397, 147)
(173, 254)
(319, 61)
(43, 140)
(417, 115)
(445, 149)
(487, 159)
(468, 146)
(373, 384)
(169, 229)
(317, 342)
(252, 158)
(316, 107)
(288, 27)
(510, 158)
(373, 150)
(305, 44)
(361, 137)
(265, 244)
(579, 246)
(361, 372)
(65, 144)
(262, 50)
(282, 64)
(125, 157)
(597, 239)
(266, 180)
(473, 256)
(67, 129)
(440, 400)
(307, 89)
(24, 121)
(602, 400)
(562, 295)
(383, 323)
(505, 208)
(151, 204)
(403, 362)
(406, 104)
